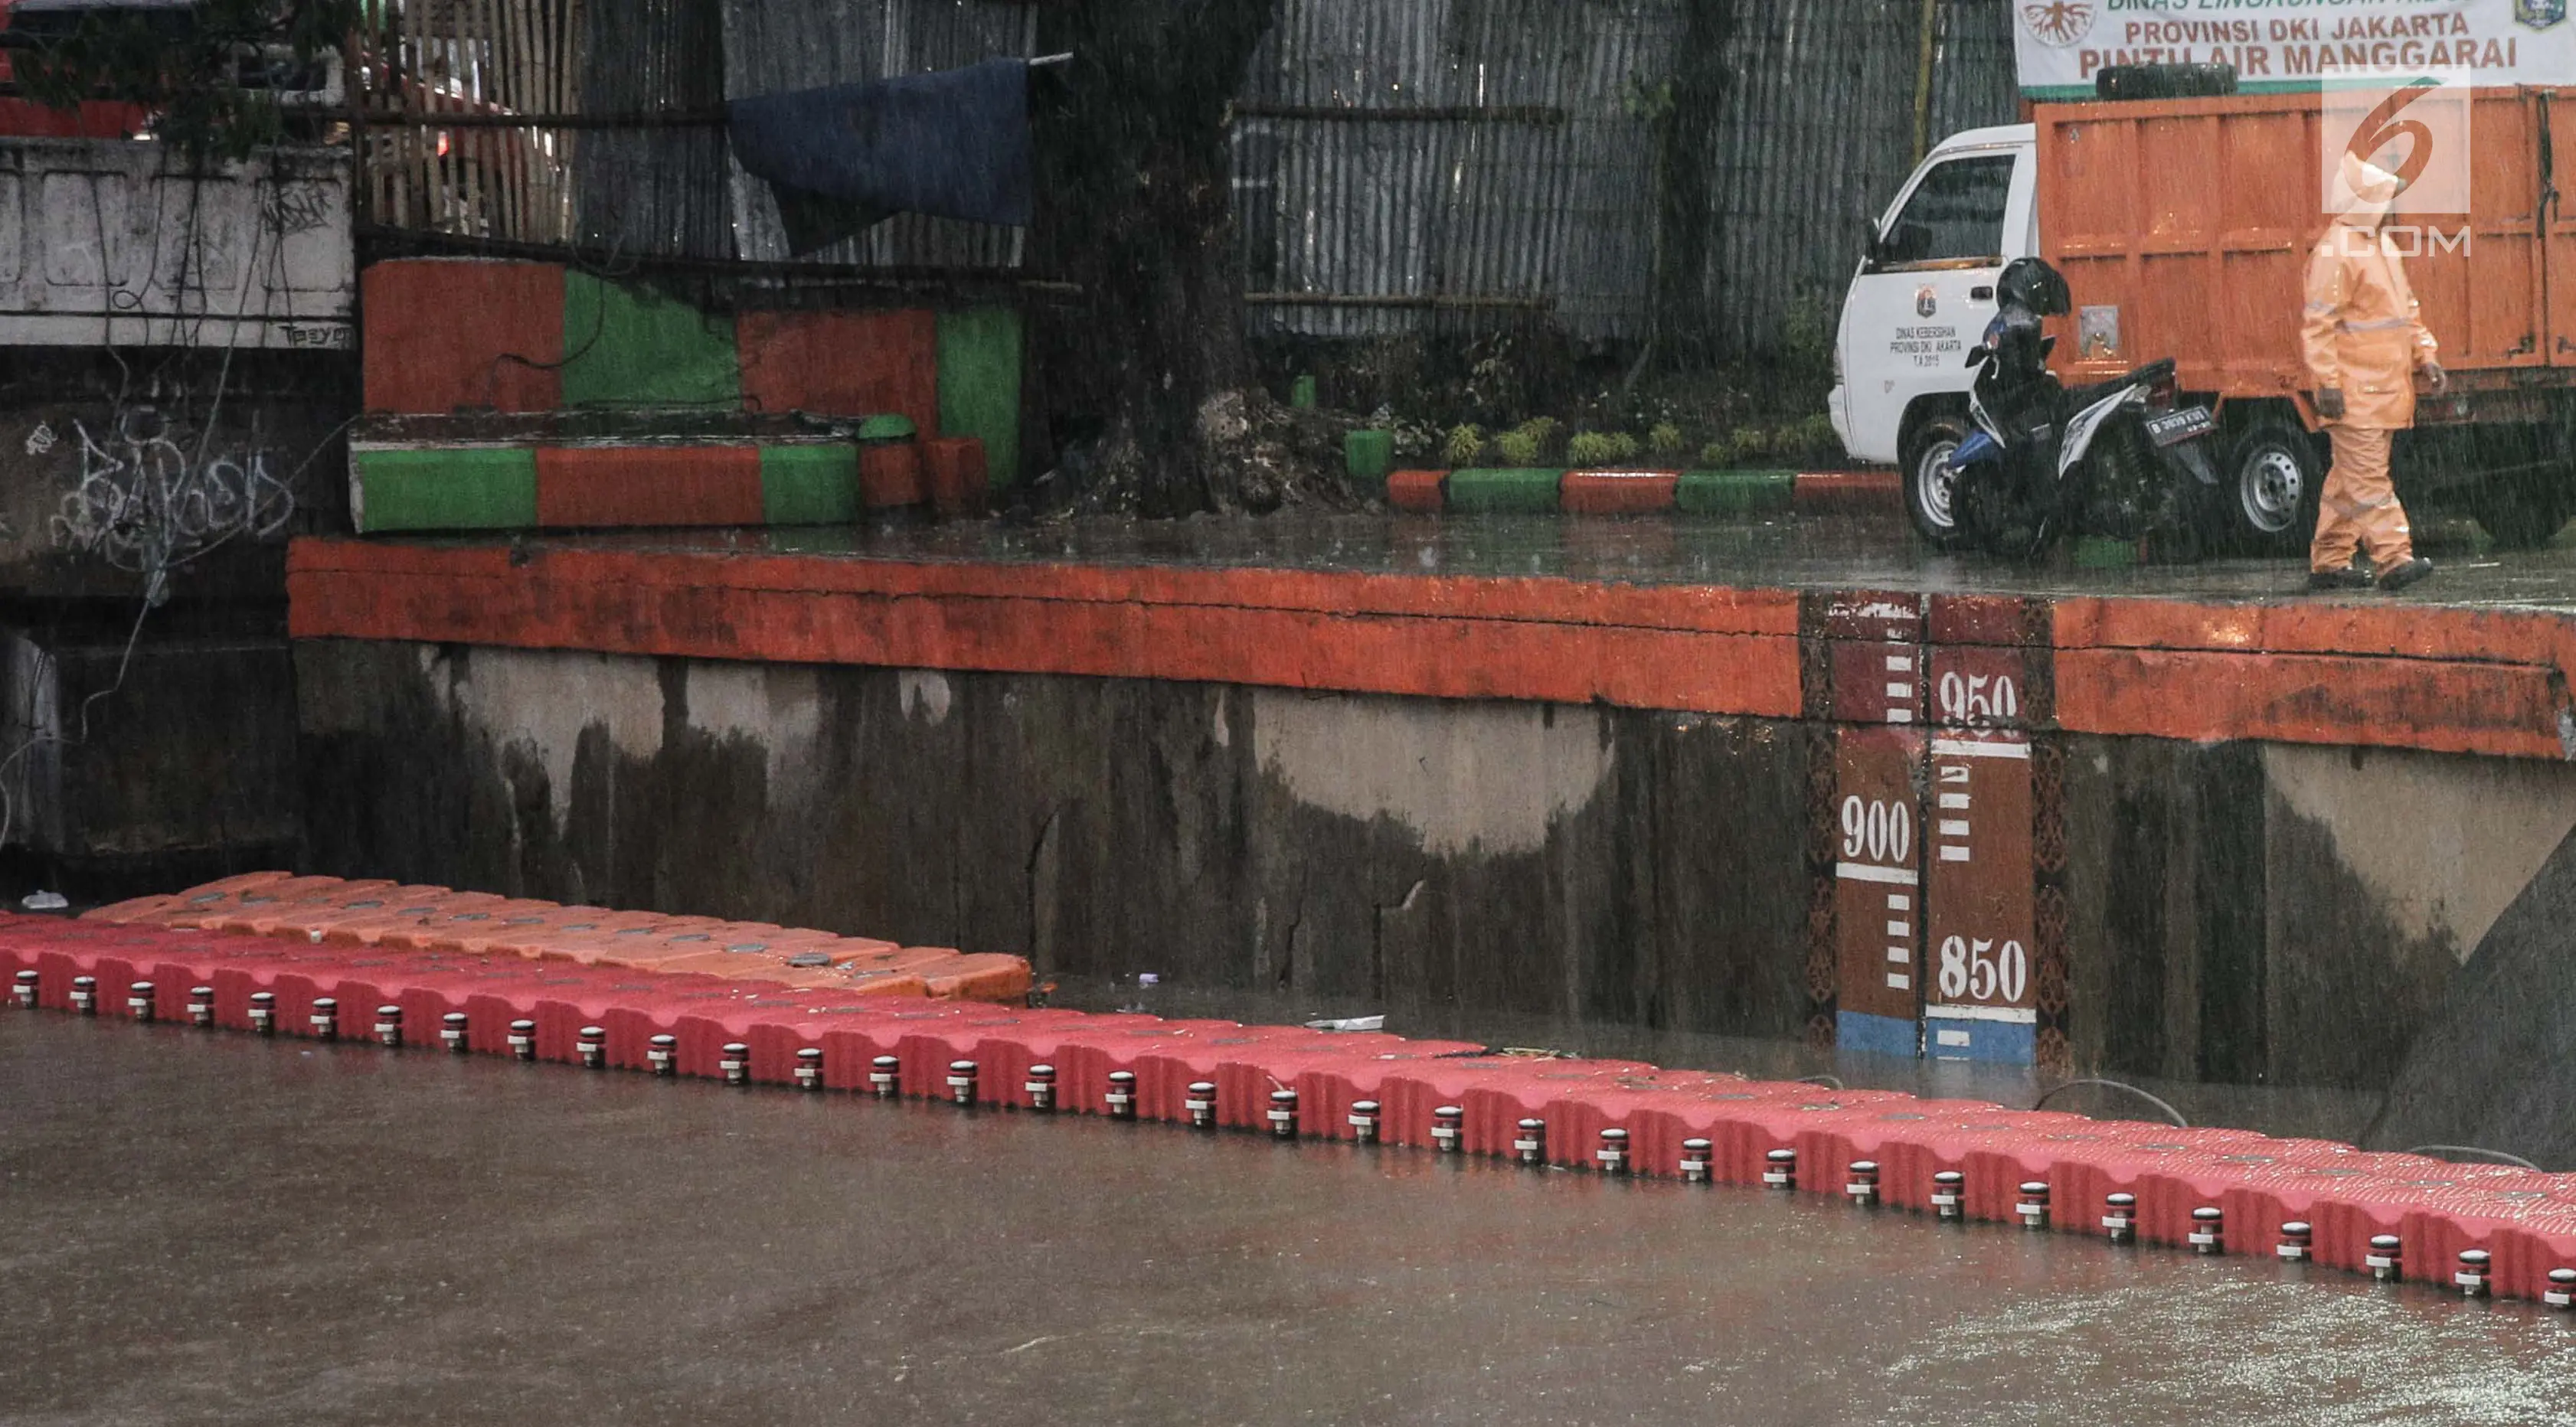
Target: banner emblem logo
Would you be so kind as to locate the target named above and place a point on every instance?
(2066, 23)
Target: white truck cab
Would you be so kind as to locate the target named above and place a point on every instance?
(1922, 297)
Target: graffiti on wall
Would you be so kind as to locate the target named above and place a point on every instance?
(144, 500)
(110, 243)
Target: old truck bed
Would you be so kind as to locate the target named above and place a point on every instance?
(2191, 222)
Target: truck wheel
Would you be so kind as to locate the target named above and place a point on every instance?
(2521, 512)
(1931, 485)
(2268, 489)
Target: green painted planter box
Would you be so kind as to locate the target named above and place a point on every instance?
(2092, 552)
(979, 385)
(1736, 492)
(444, 488)
(1511, 491)
(1369, 455)
(809, 485)
(626, 347)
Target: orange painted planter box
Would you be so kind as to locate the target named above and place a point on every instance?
(953, 467)
(1420, 491)
(643, 485)
(1619, 492)
(1848, 490)
(842, 363)
(890, 475)
(444, 335)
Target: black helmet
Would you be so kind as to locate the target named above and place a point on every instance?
(2031, 283)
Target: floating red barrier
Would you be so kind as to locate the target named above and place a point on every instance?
(2509, 1229)
(421, 918)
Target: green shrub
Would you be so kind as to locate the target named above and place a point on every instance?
(1590, 448)
(1517, 448)
(1665, 439)
(1541, 430)
(1803, 364)
(1736, 450)
(1807, 440)
(1415, 439)
(1623, 447)
(1463, 445)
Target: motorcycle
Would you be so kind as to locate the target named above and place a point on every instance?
(2117, 460)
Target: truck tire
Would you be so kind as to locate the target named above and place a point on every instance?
(1931, 489)
(2269, 483)
(2523, 511)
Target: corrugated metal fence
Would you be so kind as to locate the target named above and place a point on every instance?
(1467, 158)
(1411, 164)
(1818, 131)
(1400, 165)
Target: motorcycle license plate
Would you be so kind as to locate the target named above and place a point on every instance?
(2175, 427)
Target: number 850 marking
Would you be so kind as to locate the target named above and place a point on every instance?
(1980, 971)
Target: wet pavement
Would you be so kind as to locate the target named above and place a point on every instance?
(1833, 550)
(214, 1228)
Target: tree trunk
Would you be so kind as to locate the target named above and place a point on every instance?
(1135, 205)
(1688, 212)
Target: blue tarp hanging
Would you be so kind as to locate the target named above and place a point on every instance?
(953, 145)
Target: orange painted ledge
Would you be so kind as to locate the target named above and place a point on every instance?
(2501, 710)
(1702, 608)
(1555, 641)
(2425, 677)
(2313, 627)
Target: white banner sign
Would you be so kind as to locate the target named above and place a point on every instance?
(2277, 44)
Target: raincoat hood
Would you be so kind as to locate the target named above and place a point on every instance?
(2374, 193)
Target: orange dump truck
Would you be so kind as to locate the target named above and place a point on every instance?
(2184, 228)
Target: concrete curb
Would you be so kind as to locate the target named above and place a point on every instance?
(1638, 492)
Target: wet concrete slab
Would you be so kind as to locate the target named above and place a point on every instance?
(221, 1229)
(1839, 550)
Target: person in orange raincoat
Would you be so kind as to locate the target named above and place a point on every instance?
(2365, 342)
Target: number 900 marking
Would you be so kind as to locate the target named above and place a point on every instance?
(1877, 831)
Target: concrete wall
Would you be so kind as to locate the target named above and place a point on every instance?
(207, 461)
(110, 243)
(2263, 913)
(1623, 866)
(2240, 912)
